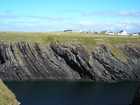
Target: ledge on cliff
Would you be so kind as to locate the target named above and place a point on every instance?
(65, 56)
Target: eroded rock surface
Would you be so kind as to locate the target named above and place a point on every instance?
(25, 61)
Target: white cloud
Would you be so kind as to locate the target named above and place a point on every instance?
(130, 22)
(30, 26)
(89, 25)
(68, 10)
(133, 13)
(24, 22)
(47, 18)
(128, 25)
(86, 23)
(8, 11)
(11, 16)
(89, 13)
(15, 16)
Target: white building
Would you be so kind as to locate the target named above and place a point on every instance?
(111, 33)
(72, 31)
(105, 32)
(122, 32)
(134, 34)
(67, 30)
(76, 31)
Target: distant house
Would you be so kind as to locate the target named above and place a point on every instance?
(76, 31)
(95, 32)
(67, 30)
(134, 34)
(122, 32)
(72, 31)
(105, 32)
(111, 33)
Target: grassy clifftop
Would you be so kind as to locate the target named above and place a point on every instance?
(6, 96)
(85, 38)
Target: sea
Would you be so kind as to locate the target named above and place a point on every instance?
(52, 92)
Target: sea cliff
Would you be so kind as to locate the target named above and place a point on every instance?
(68, 60)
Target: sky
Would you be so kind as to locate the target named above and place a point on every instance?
(60, 15)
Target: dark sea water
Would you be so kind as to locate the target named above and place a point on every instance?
(73, 92)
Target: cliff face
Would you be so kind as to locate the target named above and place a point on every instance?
(25, 61)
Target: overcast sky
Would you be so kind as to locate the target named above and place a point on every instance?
(58, 15)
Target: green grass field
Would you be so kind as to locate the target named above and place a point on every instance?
(85, 38)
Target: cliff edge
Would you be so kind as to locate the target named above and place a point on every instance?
(31, 61)
(6, 96)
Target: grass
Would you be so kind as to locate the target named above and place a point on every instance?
(6, 96)
(87, 39)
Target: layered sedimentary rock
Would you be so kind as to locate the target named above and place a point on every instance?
(25, 61)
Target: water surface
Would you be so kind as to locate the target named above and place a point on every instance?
(73, 92)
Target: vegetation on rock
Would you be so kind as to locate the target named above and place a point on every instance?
(6, 96)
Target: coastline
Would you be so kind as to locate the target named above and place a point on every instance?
(7, 97)
(69, 56)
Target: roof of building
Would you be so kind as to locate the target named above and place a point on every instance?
(122, 31)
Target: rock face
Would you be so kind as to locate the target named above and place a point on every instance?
(136, 99)
(25, 61)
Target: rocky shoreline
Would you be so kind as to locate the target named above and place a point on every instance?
(70, 61)
(136, 99)
(6, 96)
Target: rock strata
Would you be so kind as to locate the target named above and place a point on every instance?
(26, 61)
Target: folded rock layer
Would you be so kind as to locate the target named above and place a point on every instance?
(72, 61)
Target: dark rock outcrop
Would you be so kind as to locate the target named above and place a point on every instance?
(136, 99)
(25, 61)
